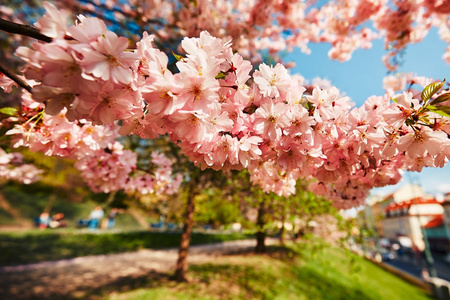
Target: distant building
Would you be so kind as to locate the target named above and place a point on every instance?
(446, 220)
(446, 206)
(376, 205)
(403, 220)
(437, 234)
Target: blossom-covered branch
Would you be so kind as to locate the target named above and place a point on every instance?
(224, 118)
(277, 26)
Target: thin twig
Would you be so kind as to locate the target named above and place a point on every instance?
(136, 16)
(25, 30)
(15, 78)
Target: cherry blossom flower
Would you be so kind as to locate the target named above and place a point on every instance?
(272, 81)
(423, 141)
(6, 83)
(107, 59)
(270, 119)
(54, 22)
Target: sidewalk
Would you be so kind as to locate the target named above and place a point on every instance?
(79, 277)
(415, 274)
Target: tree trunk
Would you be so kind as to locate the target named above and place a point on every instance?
(110, 198)
(4, 204)
(283, 229)
(261, 234)
(49, 205)
(181, 267)
(138, 217)
(282, 233)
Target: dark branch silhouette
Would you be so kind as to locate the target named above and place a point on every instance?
(25, 30)
(15, 78)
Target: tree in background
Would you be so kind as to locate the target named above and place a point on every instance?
(12, 167)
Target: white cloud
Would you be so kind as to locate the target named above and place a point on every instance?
(443, 187)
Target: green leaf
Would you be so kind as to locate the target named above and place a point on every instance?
(221, 75)
(395, 100)
(177, 57)
(441, 110)
(308, 105)
(441, 98)
(442, 113)
(10, 111)
(431, 89)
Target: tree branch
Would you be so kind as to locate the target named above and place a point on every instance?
(15, 78)
(25, 30)
(136, 16)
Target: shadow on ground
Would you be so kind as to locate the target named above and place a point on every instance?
(120, 285)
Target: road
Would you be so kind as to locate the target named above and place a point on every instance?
(413, 267)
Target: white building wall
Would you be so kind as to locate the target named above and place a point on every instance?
(416, 232)
(392, 227)
(410, 225)
(408, 192)
(426, 209)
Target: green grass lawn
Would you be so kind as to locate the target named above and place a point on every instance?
(296, 272)
(35, 246)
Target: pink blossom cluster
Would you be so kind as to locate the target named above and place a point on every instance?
(327, 227)
(109, 169)
(276, 26)
(442, 22)
(102, 161)
(114, 169)
(224, 118)
(397, 83)
(56, 136)
(12, 167)
(161, 183)
(6, 83)
(89, 76)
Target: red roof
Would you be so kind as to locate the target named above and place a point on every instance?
(414, 201)
(437, 221)
(388, 196)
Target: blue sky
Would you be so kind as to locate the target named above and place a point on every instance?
(362, 77)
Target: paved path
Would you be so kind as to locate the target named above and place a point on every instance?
(86, 277)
